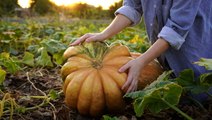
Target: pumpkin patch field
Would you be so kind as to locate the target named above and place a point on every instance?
(43, 78)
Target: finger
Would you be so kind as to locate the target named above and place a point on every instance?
(90, 39)
(132, 87)
(81, 39)
(124, 68)
(78, 41)
(128, 82)
(135, 87)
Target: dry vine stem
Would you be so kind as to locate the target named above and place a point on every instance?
(45, 97)
(33, 85)
(7, 99)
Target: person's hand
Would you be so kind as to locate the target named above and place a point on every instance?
(119, 23)
(89, 37)
(134, 67)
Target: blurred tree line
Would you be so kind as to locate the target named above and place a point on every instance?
(45, 7)
(7, 7)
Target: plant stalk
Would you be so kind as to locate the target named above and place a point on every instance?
(178, 110)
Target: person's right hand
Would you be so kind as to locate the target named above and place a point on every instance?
(89, 37)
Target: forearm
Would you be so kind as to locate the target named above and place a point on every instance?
(154, 51)
(119, 23)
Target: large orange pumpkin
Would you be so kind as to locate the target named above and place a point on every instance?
(92, 82)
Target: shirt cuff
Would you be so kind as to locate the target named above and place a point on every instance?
(130, 13)
(171, 36)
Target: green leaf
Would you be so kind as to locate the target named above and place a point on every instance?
(4, 55)
(207, 63)
(160, 82)
(205, 81)
(151, 96)
(28, 59)
(106, 117)
(139, 106)
(10, 63)
(58, 35)
(165, 75)
(186, 78)
(49, 31)
(33, 48)
(136, 94)
(2, 75)
(152, 100)
(53, 46)
(58, 58)
(13, 51)
(206, 78)
(53, 94)
(198, 89)
(44, 59)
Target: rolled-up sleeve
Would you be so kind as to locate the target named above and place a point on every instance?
(131, 9)
(181, 19)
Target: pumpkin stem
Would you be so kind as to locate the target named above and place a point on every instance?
(96, 51)
(97, 64)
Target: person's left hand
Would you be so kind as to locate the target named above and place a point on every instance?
(134, 67)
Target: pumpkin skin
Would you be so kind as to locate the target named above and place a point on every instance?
(92, 82)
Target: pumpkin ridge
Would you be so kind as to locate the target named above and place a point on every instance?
(81, 56)
(106, 72)
(98, 77)
(117, 51)
(113, 77)
(80, 90)
(101, 82)
(103, 89)
(73, 80)
(89, 110)
(112, 93)
(117, 62)
(74, 72)
(66, 82)
(71, 66)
